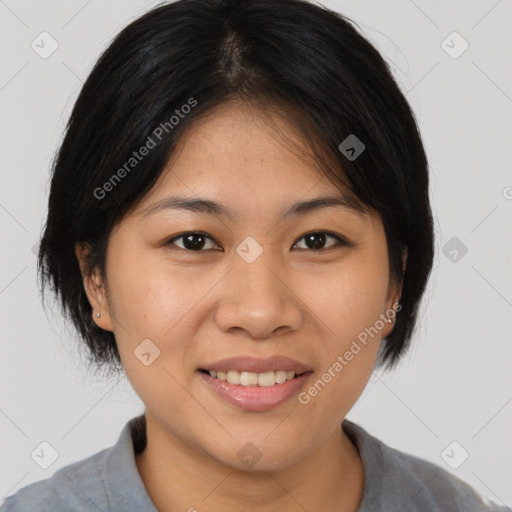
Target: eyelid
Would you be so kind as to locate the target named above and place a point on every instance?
(181, 235)
(341, 241)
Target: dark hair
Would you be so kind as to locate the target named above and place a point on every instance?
(289, 55)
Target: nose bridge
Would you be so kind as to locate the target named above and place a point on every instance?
(257, 284)
(258, 301)
(256, 278)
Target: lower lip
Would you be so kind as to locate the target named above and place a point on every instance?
(256, 398)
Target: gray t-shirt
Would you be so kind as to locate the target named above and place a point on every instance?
(109, 481)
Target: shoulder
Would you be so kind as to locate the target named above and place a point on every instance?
(397, 480)
(435, 485)
(77, 486)
(106, 481)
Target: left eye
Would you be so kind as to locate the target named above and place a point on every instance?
(316, 241)
(197, 241)
(193, 241)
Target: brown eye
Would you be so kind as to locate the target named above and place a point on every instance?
(316, 241)
(192, 241)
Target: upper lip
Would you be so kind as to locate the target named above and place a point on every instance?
(257, 365)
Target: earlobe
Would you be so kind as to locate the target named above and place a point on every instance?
(393, 307)
(390, 319)
(94, 289)
(395, 290)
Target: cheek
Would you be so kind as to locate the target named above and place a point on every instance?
(153, 300)
(351, 298)
(349, 303)
(147, 295)
(348, 351)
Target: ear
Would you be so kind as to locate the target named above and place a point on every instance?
(94, 289)
(393, 299)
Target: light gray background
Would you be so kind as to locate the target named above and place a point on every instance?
(454, 385)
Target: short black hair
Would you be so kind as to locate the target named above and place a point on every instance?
(300, 58)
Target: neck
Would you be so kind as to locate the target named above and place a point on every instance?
(180, 477)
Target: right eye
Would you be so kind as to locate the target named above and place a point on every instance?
(192, 241)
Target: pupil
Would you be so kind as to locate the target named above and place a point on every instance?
(320, 240)
(194, 245)
(196, 242)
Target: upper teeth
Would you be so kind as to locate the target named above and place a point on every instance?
(254, 379)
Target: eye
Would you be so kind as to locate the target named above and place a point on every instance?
(316, 241)
(197, 241)
(193, 241)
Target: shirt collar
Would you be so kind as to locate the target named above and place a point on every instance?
(123, 482)
(126, 490)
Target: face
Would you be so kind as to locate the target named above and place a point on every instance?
(251, 287)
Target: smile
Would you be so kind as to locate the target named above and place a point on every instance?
(263, 379)
(254, 392)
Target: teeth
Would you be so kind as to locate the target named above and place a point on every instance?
(254, 379)
(266, 379)
(248, 379)
(281, 376)
(233, 377)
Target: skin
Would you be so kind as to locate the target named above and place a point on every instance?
(202, 306)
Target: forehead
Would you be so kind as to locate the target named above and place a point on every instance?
(239, 150)
(240, 139)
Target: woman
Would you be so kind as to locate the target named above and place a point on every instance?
(239, 220)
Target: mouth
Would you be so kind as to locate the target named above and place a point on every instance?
(262, 379)
(253, 384)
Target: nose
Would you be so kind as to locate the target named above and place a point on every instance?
(258, 299)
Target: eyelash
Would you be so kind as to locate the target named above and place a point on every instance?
(340, 241)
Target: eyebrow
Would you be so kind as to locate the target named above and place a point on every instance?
(207, 206)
